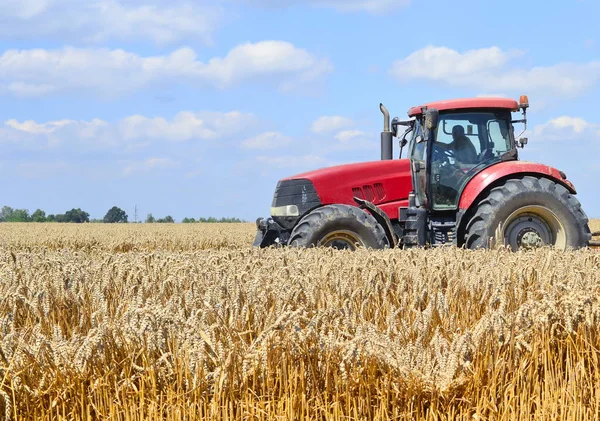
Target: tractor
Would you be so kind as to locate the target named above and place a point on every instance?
(461, 184)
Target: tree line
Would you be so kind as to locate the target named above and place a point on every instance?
(114, 215)
(210, 220)
(8, 214)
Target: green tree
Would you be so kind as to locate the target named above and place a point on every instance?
(5, 213)
(77, 216)
(115, 215)
(212, 219)
(38, 216)
(19, 215)
(51, 218)
(188, 220)
(150, 219)
(166, 220)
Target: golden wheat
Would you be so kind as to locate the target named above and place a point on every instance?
(126, 237)
(188, 322)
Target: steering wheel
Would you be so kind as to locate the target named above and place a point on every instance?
(442, 154)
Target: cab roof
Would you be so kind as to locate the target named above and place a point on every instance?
(457, 104)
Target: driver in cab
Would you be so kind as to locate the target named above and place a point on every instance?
(461, 146)
(448, 159)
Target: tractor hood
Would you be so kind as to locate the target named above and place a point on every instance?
(378, 182)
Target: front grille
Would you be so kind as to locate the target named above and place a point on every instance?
(295, 192)
(299, 192)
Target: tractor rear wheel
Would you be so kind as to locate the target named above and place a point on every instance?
(338, 226)
(529, 212)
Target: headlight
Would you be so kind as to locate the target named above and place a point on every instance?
(288, 210)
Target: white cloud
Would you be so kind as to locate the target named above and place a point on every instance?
(113, 72)
(328, 124)
(577, 124)
(490, 69)
(90, 21)
(133, 132)
(266, 58)
(336, 133)
(23, 9)
(32, 127)
(442, 63)
(268, 140)
(349, 135)
(566, 128)
(31, 135)
(186, 125)
(369, 6)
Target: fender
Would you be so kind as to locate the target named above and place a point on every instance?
(381, 218)
(504, 170)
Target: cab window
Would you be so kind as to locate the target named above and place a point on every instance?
(466, 142)
(417, 150)
(469, 129)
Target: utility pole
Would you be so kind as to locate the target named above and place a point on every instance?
(135, 214)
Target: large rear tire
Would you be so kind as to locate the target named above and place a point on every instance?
(529, 212)
(340, 227)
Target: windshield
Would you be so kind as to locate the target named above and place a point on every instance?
(466, 142)
(487, 132)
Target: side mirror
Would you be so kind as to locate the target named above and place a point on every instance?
(402, 144)
(394, 127)
(432, 117)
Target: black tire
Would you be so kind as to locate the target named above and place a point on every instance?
(338, 226)
(529, 208)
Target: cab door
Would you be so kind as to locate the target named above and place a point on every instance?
(418, 165)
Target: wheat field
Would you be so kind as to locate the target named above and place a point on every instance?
(185, 322)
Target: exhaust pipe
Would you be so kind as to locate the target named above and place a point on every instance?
(386, 135)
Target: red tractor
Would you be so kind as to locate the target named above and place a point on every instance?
(461, 183)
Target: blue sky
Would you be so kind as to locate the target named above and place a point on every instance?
(197, 108)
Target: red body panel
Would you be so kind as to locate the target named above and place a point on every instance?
(453, 104)
(384, 183)
(391, 209)
(503, 169)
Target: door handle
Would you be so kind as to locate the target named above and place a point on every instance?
(418, 166)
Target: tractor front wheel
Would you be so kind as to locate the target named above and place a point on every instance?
(527, 213)
(340, 227)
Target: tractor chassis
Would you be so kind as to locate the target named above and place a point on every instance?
(407, 232)
(270, 233)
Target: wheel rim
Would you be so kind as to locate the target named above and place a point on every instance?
(532, 227)
(341, 240)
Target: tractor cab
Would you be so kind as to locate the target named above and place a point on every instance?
(452, 141)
